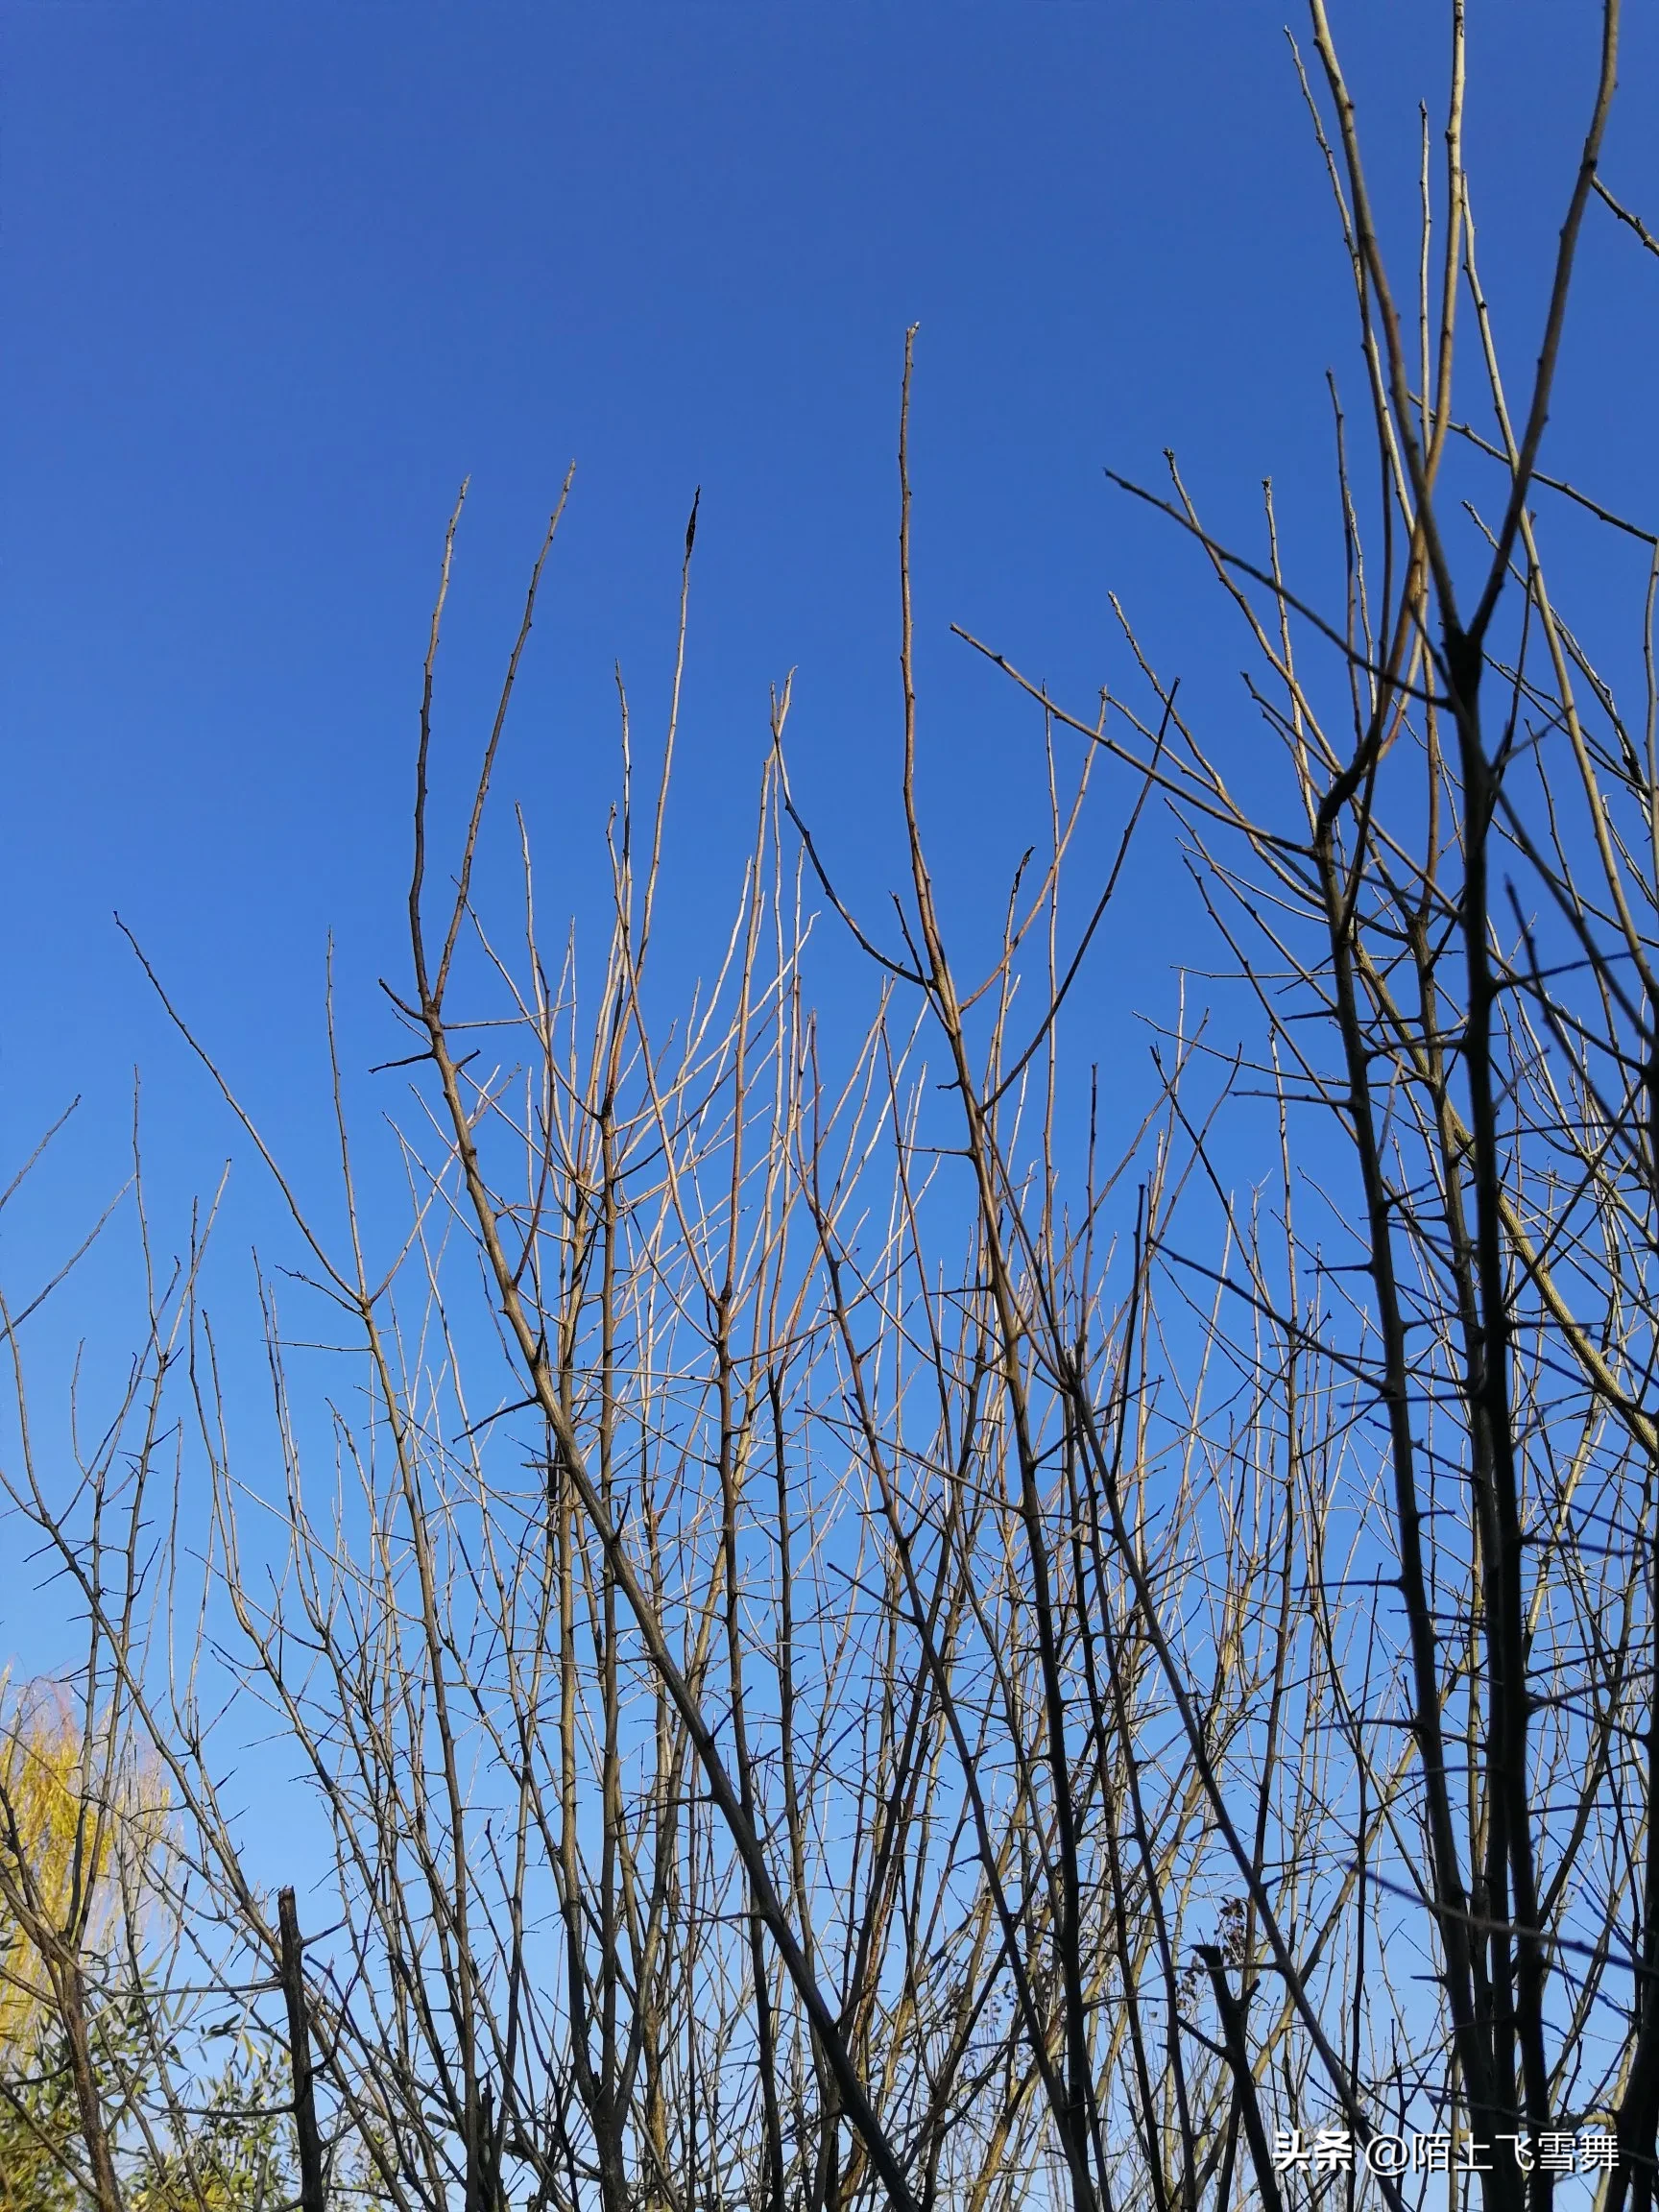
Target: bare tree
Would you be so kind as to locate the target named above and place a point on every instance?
(1449, 933)
(849, 1633)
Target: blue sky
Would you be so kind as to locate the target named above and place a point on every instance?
(272, 280)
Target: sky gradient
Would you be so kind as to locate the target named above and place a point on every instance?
(274, 280)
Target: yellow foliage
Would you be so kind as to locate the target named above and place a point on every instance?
(62, 1819)
(79, 1834)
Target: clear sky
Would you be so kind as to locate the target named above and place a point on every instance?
(274, 277)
